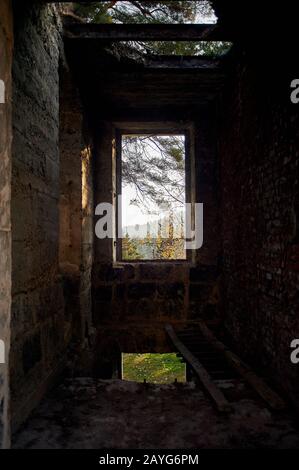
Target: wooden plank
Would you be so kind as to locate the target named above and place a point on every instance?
(214, 392)
(258, 384)
(145, 32)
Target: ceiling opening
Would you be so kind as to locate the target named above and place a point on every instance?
(142, 12)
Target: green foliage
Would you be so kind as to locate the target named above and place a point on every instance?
(183, 48)
(156, 248)
(130, 249)
(138, 11)
(155, 368)
(94, 12)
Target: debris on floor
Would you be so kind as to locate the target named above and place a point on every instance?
(86, 413)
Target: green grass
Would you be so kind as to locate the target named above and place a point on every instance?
(155, 368)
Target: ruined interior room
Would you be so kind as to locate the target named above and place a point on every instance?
(192, 110)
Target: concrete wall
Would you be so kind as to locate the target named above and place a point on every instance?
(6, 45)
(258, 147)
(133, 302)
(38, 324)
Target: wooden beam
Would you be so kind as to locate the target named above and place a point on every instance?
(145, 32)
(214, 392)
(182, 63)
(258, 384)
(79, 1)
(66, 1)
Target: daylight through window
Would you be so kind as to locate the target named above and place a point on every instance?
(153, 188)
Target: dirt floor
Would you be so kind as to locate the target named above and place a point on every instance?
(94, 414)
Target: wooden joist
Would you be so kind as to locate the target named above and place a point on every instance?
(145, 32)
(214, 392)
(258, 384)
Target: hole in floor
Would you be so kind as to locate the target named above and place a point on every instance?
(154, 368)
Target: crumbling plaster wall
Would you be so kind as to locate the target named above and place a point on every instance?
(6, 50)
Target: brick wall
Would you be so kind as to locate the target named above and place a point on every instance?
(259, 137)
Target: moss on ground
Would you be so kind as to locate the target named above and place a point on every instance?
(155, 368)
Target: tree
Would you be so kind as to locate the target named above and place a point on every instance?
(138, 11)
(129, 249)
(155, 166)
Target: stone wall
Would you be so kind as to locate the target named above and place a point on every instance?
(6, 45)
(259, 141)
(132, 302)
(38, 323)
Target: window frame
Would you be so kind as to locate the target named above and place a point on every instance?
(186, 129)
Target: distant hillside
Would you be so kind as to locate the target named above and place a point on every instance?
(141, 231)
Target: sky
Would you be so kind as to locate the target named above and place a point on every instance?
(132, 214)
(212, 19)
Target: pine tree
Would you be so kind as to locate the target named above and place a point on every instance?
(130, 249)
